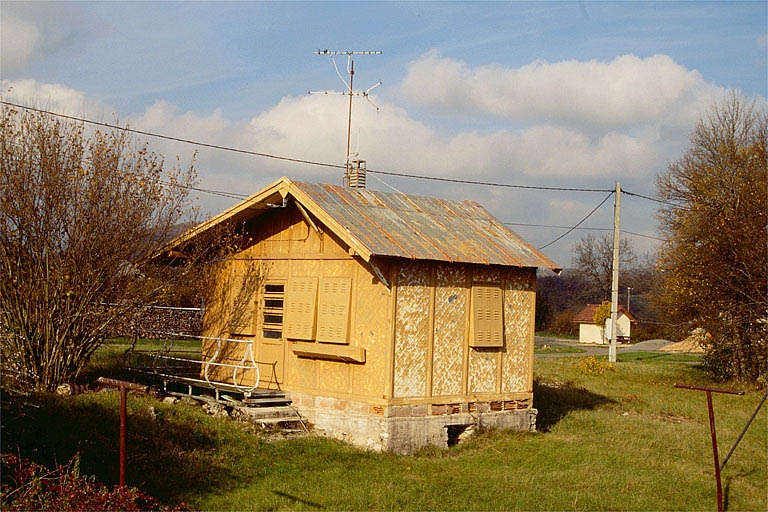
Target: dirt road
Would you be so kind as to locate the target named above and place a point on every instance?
(596, 350)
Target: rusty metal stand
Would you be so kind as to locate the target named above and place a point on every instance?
(124, 387)
(713, 433)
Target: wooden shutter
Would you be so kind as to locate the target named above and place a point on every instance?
(333, 309)
(300, 312)
(487, 316)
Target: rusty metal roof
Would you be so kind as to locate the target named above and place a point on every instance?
(386, 224)
(421, 228)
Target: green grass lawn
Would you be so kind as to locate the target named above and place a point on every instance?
(623, 439)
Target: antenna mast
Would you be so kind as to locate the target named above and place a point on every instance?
(353, 178)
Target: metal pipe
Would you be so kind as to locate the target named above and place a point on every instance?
(744, 430)
(123, 422)
(124, 387)
(713, 432)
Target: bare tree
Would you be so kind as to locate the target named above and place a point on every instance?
(593, 259)
(715, 257)
(79, 215)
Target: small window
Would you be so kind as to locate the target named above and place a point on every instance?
(487, 316)
(274, 299)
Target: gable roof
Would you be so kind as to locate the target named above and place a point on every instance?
(587, 315)
(385, 224)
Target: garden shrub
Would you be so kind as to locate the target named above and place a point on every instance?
(30, 486)
(593, 366)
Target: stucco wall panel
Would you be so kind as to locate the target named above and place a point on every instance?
(412, 330)
(450, 330)
(483, 370)
(518, 334)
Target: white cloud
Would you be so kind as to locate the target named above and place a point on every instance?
(54, 97)
(591, 95)
(18, 40)
(629, 128)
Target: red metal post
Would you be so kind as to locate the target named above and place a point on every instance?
(123, 421)
(124, 387)
(713, 432)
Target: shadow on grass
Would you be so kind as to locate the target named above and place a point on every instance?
(163, 447)
(554, 400)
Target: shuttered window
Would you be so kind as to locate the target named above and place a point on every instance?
(274, 302)
(333, 309)
(487, 316)
(300, 317)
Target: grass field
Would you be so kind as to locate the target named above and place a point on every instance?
(608, 439)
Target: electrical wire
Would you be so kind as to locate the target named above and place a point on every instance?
(580, 222)
(654, 199)
(175, 139)
(623, 231)
(299, 160)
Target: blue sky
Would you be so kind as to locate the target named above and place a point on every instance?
(575, 94)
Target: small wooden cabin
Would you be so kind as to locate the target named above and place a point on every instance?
(591, 333)
(392, 321)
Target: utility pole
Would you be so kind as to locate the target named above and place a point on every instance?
(615, 274)
(351, 71)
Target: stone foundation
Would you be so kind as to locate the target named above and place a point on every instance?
(406, 428)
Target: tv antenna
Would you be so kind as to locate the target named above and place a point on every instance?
(352, 177)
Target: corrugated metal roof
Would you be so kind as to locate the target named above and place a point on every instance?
(386, 224)
(423, 228)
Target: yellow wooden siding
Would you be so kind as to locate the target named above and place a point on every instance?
(371, 329)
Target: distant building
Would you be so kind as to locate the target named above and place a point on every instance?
(591, 333)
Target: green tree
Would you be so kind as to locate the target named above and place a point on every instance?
(715, 256)
(79, 215)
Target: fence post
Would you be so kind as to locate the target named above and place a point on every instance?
(124, 387)
(712, 432)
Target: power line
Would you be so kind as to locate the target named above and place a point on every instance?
(578, 223)
(623, 231)
(175, 139)
(299, 160)
(654, 199)
(488, 183)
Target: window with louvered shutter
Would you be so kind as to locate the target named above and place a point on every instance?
(487, 316)
(333, 309)
(301, 299)
(274, 302)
